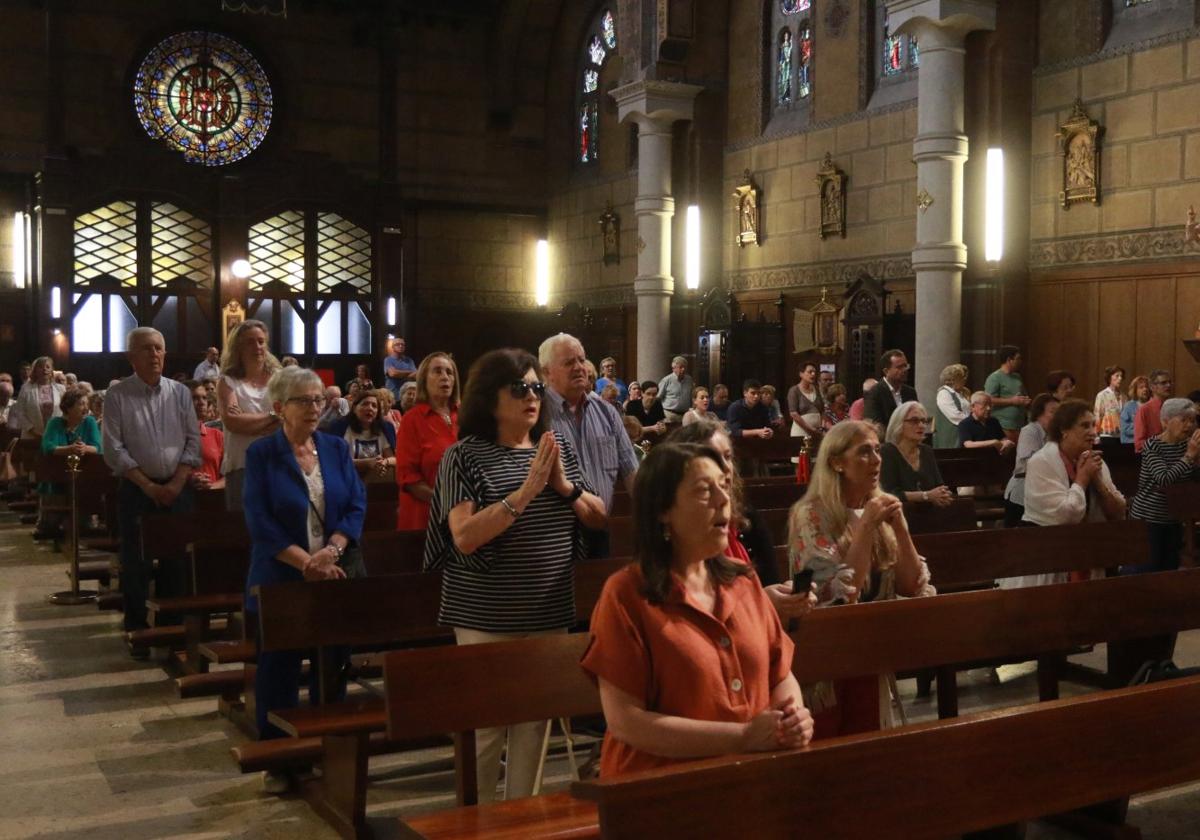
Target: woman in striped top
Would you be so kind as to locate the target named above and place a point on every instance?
(504, 525)
(1167, 459)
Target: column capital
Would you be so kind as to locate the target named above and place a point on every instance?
(948, 21)
(652, 102)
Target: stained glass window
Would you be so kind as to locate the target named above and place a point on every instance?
(601, 41)
(343, 255)
(181, 247)
(204, 95)
(794, 7)
(608, 28)
(277, 251)
(899, 52)
(804, 83)
(783, 69)
(106, 244)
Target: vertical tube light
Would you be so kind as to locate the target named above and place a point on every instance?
(391, 311)
(541, 273)
(19, 260)
(55, 302)
(692, 263)
(994, 224)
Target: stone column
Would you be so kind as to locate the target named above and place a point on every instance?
(655, 107)
(939, 150)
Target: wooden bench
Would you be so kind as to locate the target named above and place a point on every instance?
(1183, 503)
(833, 643)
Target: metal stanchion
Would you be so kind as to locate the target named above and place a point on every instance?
(74, 595)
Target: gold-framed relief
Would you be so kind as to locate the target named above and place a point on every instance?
(610, 229)
(831, 187)
(1079, 145)
(746, 197)
(826, 326)
(232, 315)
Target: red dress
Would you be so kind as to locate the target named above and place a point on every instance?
(423, 436)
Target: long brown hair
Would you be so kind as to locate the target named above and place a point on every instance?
(654, 491)
(231, 356)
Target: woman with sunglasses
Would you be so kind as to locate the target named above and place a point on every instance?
(504, 525)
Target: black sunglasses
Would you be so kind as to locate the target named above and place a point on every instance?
(520, 388)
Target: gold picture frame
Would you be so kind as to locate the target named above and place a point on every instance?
(1079, 145)
(610, 230)
(232, 315)
(831, 187)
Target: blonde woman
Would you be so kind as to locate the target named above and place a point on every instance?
(953, 406)
(855, 539)
(246, 367)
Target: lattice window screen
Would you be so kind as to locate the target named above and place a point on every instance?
(106, 244)
(343, 254)
(181, 246)
(277, 251)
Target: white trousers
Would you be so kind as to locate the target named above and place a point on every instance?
(524, 740)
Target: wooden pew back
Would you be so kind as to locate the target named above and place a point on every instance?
(893, 783)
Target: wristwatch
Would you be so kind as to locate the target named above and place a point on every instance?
(576, 492)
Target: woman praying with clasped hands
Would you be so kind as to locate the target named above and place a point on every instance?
(688, 653)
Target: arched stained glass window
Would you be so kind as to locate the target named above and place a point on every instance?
(205, 96)
(600, 43)
(790, 79)
(899, 52)
(318, 297)
(141, 262)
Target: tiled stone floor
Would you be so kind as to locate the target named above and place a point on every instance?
(94, 745)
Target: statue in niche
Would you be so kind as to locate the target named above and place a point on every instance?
(610, 229)
(831, 184)
(746, 195)
(1079, 145)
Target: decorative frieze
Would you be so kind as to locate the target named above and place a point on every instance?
(1117, 247)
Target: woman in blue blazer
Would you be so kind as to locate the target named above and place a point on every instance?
(304, 505)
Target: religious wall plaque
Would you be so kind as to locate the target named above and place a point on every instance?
(231, 317)
(747, 203)
(610, 230)
(831, 186)
(1079, 145)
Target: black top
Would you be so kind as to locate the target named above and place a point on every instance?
(637, 408)
(970, 429)
(722, 411)
(743, 417)
(879, 402)
(897, 476)
(757, 541)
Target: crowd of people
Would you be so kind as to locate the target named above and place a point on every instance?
(512, 475)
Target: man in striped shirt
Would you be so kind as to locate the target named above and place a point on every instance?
(593, 427)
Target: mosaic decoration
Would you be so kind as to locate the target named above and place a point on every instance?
(205, 96)
(794, 7)
(608, 27)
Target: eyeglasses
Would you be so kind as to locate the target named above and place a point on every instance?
(308, 402)
(917, 421)
(520, 388)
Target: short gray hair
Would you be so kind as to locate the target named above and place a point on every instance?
(1176, 407)
(138, 332)
(287, 381)
(896, 422)
(678, 360)
(547, 348)
(980, 396)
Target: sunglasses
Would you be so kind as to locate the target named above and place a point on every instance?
(520, 388)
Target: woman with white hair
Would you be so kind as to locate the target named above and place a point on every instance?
(305, 506)
(1170, 458)
(246, 367)
(953, 406)
(909, 470)
(39, 399)
(856, 540)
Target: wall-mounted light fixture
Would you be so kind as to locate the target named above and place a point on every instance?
(541, 273)
(240, 269)
(20, 255)
(391, 312)
(55, 302)
(993, 247)
(692, 261)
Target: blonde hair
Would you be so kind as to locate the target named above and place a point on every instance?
(950, 373)
(824, 495)
(231, 356)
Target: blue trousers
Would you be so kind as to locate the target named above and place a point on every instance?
(277, 681)
(136, 570)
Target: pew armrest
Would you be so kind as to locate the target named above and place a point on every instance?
(366, 714)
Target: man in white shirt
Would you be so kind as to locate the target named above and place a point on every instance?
(210, 367)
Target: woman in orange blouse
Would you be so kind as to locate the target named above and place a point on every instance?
(688, 653)
(428, 428)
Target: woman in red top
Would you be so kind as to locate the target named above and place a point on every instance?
(428, 428)
(689, 656)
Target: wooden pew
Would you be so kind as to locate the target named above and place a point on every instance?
(366, 613)
(830, 644)
(1183, 503)
(994, 762)
(771, 492)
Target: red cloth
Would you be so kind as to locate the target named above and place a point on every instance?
(1147, 422)
(212, 449)
(736, 551)
(423, 437)
(802, 468)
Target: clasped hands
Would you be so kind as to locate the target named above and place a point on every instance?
(786, 725)
(546, 469)
(322, 565)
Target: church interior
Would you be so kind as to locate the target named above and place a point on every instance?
(754, 188)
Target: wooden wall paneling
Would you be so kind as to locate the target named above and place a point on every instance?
(1045, 337)
(1117, 328)
(1187, 317)
(1156, 333)
(1079, 319)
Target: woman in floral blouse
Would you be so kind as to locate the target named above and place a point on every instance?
(856, 540)
(1109, 403)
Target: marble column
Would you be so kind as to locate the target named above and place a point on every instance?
(655, 107)
(940, 151)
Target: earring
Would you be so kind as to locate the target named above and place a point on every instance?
(666, 534)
